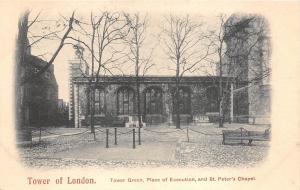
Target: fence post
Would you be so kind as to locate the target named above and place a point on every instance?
(133, 138)
(40, 138)
(241, 135)
(223, 142)
(115, 136)
(231, 103)
(187, 133)
(139, 135)
(107, 131)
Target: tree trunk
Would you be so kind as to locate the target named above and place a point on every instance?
(23, 132)
(177, 93)
(221, 98)
(92, 105)
(138, 101)
(221, 114)
(177, 105)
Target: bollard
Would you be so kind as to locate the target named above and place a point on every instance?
(115, 136)
(107, 131)
(40, 134)
(187, 134)
(133, 138)
(139, 135)
(241, 135)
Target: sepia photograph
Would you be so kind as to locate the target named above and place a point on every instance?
(151, 94)
(193, 89)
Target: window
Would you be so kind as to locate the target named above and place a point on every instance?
(153, 101)
(212, 94)
(99, 101)
(184, 101)
(125, 98)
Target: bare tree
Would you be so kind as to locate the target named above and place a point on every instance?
(237, 43)
(25, 40)
(101, 37)
(47, 33)
(186, 47)
(135, 40)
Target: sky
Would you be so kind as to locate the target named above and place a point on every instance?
(53, 21)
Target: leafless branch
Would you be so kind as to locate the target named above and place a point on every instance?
(55, 53)
(34, 20)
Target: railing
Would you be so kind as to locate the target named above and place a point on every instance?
(115, 133)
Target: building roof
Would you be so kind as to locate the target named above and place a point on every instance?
(151, 79)
(37, 62)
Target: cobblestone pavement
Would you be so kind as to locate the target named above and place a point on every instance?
(161, 146)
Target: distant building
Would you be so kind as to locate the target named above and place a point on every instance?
(61, 106)
(62, 112)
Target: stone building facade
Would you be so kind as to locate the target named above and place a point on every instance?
(40, 96)
(36, 99)
(116, 96)
(247, 58)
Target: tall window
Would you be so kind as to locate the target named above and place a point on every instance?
(99, 101)
(184, 100)
(153, 101)
(125, 97)
(212, 94)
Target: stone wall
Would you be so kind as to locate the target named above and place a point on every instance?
(199, 100)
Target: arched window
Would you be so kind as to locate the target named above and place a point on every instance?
(99, 101)
(125, 100)
(212, 94)
(184, 101)
(153, 100)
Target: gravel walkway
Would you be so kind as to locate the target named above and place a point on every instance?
(161, 146)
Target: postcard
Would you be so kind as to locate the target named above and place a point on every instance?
(150, 95)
